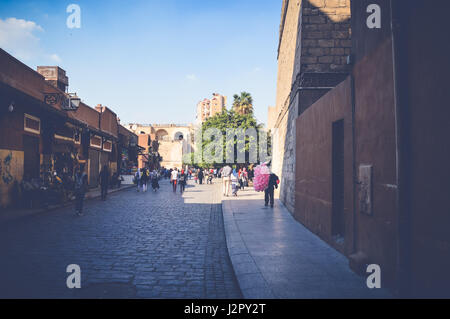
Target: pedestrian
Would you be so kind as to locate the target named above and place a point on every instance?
(154, 180)
(226, 179)
(104, 181)
(210, 177)
(174, 179)
(245, 173)
(195, 173)
(144, 179)
(234, 182)
(268, 192)
(239, 173)
(200, 176)
(137, 178)
(242, 178)
(81, 187)
(182, 180)
(251, 174)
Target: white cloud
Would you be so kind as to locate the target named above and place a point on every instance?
(55, 57)
(191, 77)
(20, 38)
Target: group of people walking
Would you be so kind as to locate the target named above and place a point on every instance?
(204, 174)
(236, 179)
(178, 178)
(143, 176)
(232, 181)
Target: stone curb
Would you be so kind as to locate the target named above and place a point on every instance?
(252, 283)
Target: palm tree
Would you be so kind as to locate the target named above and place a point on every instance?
(243, 104)
(236, 103)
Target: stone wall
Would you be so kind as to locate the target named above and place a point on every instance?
(312, 59)
(172, 154)
(283, 156)
(325, 35)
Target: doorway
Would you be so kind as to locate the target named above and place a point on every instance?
(31, 156)
(338, 217)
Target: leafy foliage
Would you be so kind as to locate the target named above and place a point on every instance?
(243, 104)
(228, 119)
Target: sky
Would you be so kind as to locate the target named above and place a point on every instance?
(151, 61)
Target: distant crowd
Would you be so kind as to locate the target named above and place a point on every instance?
(233, 180)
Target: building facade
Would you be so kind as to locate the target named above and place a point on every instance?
(174, 141)
(39, 135)
(313, 45)
(210, 107)
(370, 173)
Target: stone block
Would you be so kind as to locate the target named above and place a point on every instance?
(325, 27)
(311, 27)
(317, 3)
(340, 34)
(309, 59)
(327, 59)
(326, 43)
(314, 35)
(317, 19)
(337, 51)
(345, 43)
(332, 3)
(309, 43)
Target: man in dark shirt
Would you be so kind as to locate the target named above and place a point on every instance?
(268, 192)
(104, 181)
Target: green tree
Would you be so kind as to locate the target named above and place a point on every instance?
(230, 119)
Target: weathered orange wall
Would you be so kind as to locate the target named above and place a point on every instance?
(313, 189)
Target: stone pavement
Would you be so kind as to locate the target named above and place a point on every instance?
(134, 245)
(274, 256)
(10, 214)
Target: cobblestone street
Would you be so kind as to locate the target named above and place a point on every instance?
(134, 245)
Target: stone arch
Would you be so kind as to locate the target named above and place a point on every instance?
(178, 136)
(162, 134)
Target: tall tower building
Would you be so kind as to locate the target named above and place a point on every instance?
(210, 107)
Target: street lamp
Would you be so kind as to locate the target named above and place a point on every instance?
(68, 101)
(11, 107)
(74, 101)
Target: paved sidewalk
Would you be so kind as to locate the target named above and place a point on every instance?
(274, 256)
(13, 213)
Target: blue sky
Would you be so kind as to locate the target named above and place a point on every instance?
(152, 61)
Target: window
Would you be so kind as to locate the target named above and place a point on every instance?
(107, 146)
(96, 141)
(32, 124)
(77, 137)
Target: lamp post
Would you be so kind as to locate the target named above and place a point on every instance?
(11, 107)
(74, 102)
(68, 101)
